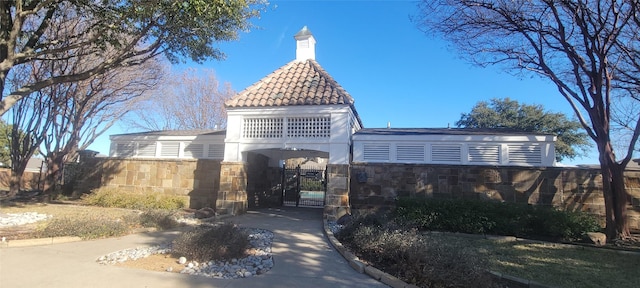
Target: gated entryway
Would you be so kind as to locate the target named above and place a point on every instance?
(303, 187)
(275, 119)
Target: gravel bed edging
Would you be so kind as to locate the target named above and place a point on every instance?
(260, 262)
(395, 282)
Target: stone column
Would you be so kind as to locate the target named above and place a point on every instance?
(337, 198)
(232, 195)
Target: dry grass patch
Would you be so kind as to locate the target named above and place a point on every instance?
(66, 210)
(88, 222)
(155, 262)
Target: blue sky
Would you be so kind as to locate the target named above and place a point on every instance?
(394, 72)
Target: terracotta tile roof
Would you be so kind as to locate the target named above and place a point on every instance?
(296, 83)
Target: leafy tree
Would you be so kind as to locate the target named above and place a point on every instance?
(201, 104)
(587, 48)
(506, 113)
(132, 30)
(5, 140)
(69, 116)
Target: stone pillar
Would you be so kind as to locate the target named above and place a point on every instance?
(337, 202)
(232, 195)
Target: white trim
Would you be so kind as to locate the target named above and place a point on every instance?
(455, 138)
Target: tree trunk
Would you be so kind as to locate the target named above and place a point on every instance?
(15, 183)
(54, 169)
(615, 195)
(18, 165)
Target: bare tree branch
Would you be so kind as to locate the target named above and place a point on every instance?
(193, 100)
(587, 48)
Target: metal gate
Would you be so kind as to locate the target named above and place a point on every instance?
(303, 187)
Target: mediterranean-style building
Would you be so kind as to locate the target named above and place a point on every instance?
(300, 111)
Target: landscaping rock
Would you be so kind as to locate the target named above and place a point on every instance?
(258, 263)
(17, 219)
(600, 239)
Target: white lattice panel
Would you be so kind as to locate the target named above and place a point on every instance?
(308, 127)
(262, 127)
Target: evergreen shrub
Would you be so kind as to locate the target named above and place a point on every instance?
(492, 217)
(206, 243)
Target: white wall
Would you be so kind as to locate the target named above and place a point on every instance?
(337, 145)
(499, 150)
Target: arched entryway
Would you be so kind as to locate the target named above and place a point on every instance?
(281, 177)
(260, 180)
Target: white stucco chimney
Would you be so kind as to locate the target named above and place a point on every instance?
(305, 45)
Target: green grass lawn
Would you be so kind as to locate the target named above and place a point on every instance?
(557, 265)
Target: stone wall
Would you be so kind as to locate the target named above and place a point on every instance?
(232, 196)
(250, 184)
(30, 180)
(378, 185)
(337, 195)
(234, 187)
(196, 180)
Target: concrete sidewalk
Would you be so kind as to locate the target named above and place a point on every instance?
(302, 256)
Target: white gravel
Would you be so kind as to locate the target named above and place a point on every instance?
(258, 263)
(16, 219)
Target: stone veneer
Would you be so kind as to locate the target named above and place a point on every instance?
(196, 180)
(337, 195)
(30, 180)
(378, 185)
(230, 186)
(232, 196)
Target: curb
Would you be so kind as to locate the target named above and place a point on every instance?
(360, 266)
(394, 282)
(39, 241)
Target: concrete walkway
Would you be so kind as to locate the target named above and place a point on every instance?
(302, 256)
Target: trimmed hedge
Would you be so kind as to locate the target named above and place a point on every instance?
(492, 217)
